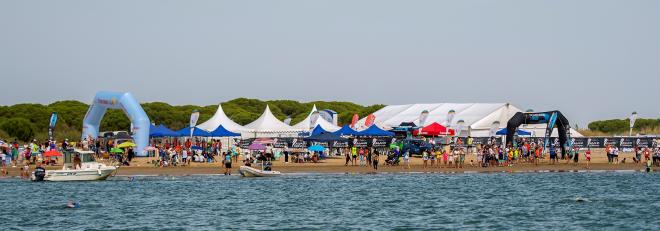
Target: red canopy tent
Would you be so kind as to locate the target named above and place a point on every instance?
(434, 129)
(52, 153)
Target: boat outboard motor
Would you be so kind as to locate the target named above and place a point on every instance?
(39, 174)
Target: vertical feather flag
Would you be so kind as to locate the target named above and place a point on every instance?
(354, 120)
(193, 121)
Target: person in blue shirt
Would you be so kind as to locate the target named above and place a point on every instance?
(553, 154)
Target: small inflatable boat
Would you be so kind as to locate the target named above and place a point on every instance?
(253, 172)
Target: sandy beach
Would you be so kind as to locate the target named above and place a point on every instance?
(142, 166)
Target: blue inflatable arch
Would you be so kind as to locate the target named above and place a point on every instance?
(131, 107)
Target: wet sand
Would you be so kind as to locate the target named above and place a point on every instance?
(142, 166)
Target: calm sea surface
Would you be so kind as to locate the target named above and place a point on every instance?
(495, 201)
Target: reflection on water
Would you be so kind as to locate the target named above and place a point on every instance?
(558, 201)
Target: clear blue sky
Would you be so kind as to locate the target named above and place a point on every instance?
(592, 59)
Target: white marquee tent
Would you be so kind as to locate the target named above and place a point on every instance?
(267, 125)
(305, 125)
(220, 118)
(478, 117)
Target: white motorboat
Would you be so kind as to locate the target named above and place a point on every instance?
(253, 172)
(89, 169)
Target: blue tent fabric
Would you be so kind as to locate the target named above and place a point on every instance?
(374, 131)
(197, 132)
(318, 130)
(520, 132)
(222, 132)
(325, 137)
(346, 131)
(161, 131)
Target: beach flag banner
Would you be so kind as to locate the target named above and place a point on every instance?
(422, 120)
(450, 117)
(354, 120)
(370, 120)
(51, 125)
(548, 130)
(494, 127)
(193, 121)
(459, 127)
(313, 118)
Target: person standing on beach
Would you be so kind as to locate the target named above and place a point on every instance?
(361, 156)
(608, 150)
(368, 155)
(461, 157)
(406, 159)
(587, 156)
(354, 153)
(553, 154)
(425, 158)
(348, 158)
(227, 162)
(375, 159)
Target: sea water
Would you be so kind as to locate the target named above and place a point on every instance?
(477, 201)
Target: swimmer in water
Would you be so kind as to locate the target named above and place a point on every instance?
(72, 204)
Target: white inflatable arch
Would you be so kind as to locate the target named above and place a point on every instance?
(118, 100)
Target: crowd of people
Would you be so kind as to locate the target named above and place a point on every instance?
(176, 152)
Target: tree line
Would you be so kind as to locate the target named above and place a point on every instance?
(622, 126)
(30, 121)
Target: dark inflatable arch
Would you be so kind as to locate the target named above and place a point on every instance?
(551, 118)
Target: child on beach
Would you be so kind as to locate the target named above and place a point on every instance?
(361, 156)
(444, 157)
(406, 159)
(451, 158)
(425, 158)
(432, 158)
(587, 157)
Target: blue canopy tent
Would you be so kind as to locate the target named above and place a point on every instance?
(318, 130)
(197, 132)
(161, 131)
(374, 131)
(520, 132)
(346, 131)
(221, 132)
(325, 137)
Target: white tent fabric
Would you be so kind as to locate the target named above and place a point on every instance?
(220, 118)
(304, 125)
(478, 117)
(267, 125)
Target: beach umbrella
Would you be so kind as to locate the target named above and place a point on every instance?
(316, 148)
(116, 150)
(51, 153)
(257, 146)
(126, 145)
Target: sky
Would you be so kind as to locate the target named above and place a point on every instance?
(590, 59)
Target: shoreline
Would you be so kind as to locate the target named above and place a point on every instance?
(336, 165)
(215, 169)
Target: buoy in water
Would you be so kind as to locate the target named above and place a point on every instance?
(580, 199)
(72, 204)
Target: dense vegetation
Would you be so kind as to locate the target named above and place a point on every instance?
(28, 121)
(622, 126)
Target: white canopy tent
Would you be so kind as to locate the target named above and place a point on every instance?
(267, 125)
(305, 125)
(478, 117)
(220, 118)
